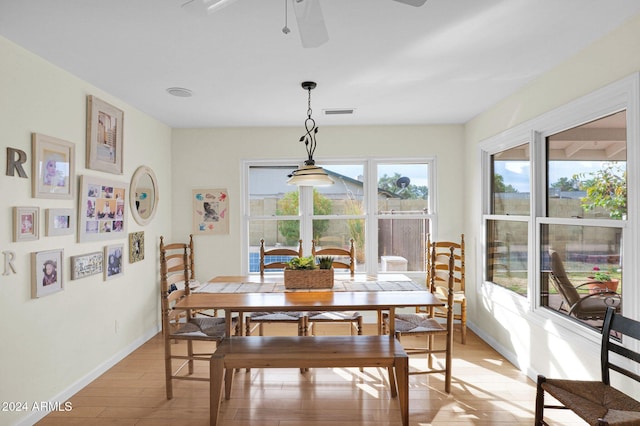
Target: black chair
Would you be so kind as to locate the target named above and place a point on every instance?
(597, 402)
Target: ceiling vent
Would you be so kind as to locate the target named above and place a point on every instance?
(338, 111)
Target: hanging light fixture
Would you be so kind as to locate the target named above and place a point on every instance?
(309, 174)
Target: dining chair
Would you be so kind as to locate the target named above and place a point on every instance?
(276, 259)
(183, 326)
(459, 296)
(342, 259)
(426, 324)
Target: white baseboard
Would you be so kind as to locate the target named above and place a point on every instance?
(36, 416)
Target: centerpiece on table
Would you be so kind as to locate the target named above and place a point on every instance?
(303, 273)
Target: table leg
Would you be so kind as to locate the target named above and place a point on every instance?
(392, 323)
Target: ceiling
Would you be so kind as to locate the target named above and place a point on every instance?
(441, 63)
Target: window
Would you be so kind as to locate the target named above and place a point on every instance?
(395, 234)
(561, 199)
(507, 226)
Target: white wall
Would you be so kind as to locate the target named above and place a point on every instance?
(211, 158)
(54, 344)
(534, 344)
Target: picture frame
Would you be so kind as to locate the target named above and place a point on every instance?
(26, 223)
(210, 211)
(85, 265)
(102, 212)
(53, 167)
(47, 272)
(59, 222)
(136, 246)
(113, 261)
(104, 136)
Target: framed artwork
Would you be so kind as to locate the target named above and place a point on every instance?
(210, 211)
(102, 210)
(104, 136)
(136, 246)
(59, 222)
(85, 265)
(113, 258)
(26, 223)
(53, 167)
(47, 272)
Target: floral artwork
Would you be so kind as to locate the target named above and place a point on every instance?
(210, 211)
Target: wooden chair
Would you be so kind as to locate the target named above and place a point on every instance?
(258, 319)
(585, 307)
(177, 326)
(346, 259)
(459, 296)
(597, 402)
(425, 324)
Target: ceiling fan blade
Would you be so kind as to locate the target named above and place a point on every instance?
(205, 7)
(416, 3)
(313, 32)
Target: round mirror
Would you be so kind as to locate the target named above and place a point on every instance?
(143, 195)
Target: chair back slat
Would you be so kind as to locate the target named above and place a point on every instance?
(265, 256)
(348, 254)
(616, 327)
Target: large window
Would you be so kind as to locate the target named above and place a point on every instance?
(384, 206)
(555, 209)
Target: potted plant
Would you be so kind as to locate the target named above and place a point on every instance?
(602, 281)
(303, 273)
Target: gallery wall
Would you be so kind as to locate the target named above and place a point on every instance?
(55, 344)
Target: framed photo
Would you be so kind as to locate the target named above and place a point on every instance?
(210, 211)
(53, 167)
(114, 266)
(26, 223)
(104, 136)
(102, 210)
(85, 265)
(136, 246)
(59, 222)
(47, 272)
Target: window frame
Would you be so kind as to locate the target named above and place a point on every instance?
(621, 95)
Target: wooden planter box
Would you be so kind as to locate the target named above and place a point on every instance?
(308, 278)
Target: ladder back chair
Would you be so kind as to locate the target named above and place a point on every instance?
(425, 323)
(597, 402)
(459, 297)
(182, 326)
(346, 260)
(276, 259)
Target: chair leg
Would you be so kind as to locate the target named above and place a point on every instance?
(190, 354)
(168, 368)
(539, 418)
(463, 321)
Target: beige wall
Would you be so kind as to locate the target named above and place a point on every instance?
(534, 344)
(212, 158)
(53, 345)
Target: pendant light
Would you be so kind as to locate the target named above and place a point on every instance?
(309, 174)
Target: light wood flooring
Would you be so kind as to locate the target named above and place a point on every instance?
(486, 390)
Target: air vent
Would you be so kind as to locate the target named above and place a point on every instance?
(180, 92)
(338, 111)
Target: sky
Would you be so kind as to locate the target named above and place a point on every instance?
(417, 173)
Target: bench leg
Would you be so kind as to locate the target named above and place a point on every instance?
(228, 381)
(402, 377)
(216, 372)
(392, 382)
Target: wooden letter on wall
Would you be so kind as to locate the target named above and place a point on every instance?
(9, 257)
(14, 163)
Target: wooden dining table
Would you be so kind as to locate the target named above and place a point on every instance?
(372, 297)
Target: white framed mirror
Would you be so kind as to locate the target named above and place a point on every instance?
(143, 195)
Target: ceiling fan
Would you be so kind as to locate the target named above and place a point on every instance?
(313, 32)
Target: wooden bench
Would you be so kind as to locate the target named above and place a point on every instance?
(309, 352)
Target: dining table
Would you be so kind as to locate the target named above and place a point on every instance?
(249, 293)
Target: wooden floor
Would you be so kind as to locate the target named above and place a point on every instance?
(486, 390)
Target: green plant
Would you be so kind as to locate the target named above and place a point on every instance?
(302, 263)
(325, 262)
(600, 275)
(607, 188)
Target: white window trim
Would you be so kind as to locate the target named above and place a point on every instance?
(620, 95)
